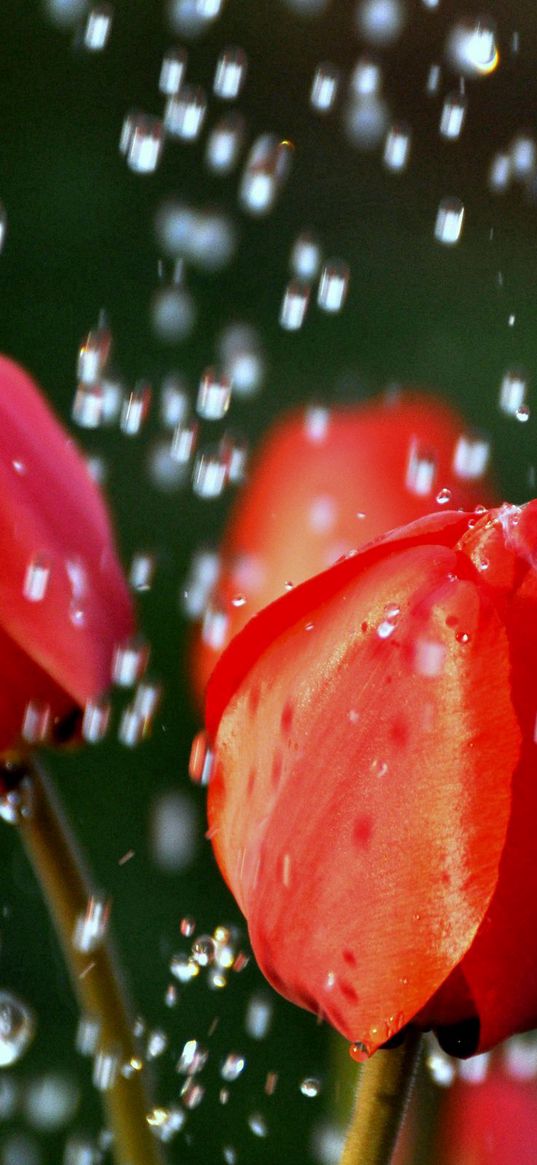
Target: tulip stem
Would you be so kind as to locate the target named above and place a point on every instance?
(383, 1093)
(67, 889)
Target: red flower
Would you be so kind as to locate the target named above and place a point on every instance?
(324, 482)
(374, 798)
(63, 600)
(491, 1123)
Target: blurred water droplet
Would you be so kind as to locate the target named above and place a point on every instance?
(130, 661)
(366, 78)
(184, 113)
(294, 305)
(230, 73)
(267, 168)
(380, 22)
(471, 47)
(17, 1028)
(434, 77)
(202, 578)
(36, 579)
(324, 87)
(203, 950)
(224, 143)
(50, 1101)
(174, 832)
(173, 314)
(333, 285)
(421, 470)
(66, 12)
(453, 115)
(105, 1069)
(87, 1036)
(441, 1067)
(258, 1018)
(397, 147)
(210, 474)
(91, 927)
(191, 18)
(172, 71)
(365, 121)
(257, 1124)
(310, 1086)
(36, 722)
(192, 1093)
(305, 259)
(142, 571)
(98, 27)
(513, 391)
(470, 457)
(166, 1122)
(88, 406)
(214, 395)
(316, 423)
(142, 142)
(157, 1043)
(476, 1069)
(241, 354)
(449, 220)
(523, 155)
(500, 173)
(135, 409)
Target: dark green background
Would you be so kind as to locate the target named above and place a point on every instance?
(80, 238)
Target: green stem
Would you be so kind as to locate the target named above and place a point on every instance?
(383, 1094)
(67, 889)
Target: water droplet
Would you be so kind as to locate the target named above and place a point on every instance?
(310, 1086)
(470, 457)
(471, 47)
(513, 391)
(184, 113)
(523, 413)
(333, 285)
(462, 637)
(215, 628)
(183, 968)
(142, 142)
(324, 87)
(380, 22)
(172, 71)
(440, 1067)
(224, 143)
(240, 351)
(173, 314)
(142, 571)
(444, 496)
(105, 1069)
(130, 661)
(98, 27)
(449, 220)
(17, 1028)
(135, 409)
(210, 474)
(36, 722)
(421, 470)
(258, 1018)
(523, 154)
(257, 1124)
(93, 355)
(294, 305)
(267, 168)
(214, 395)
(91, 927)
(166, 1122)
(88, 406)
(192, 1093)
(500, 173)
(453, 115)
(397, 147)
(157, 1043)
(230, 73)
(203, 950)
(360, 1052)
(233, 1065)
(36, 579)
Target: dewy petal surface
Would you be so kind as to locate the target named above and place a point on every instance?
(325, 481)
(51, 512)
(360, 800)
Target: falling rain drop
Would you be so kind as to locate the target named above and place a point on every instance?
(214, 395)
(210, 474)
(470, 457)
(324, 87)
(453, 115)
(184, 113)
(17, 1028)
(449, 220)
(471, 47)
(142, 142)
(513, 391)
(224, 143)
(230, 73)
(172, 71)
(333, 286)
(98, 27)
(397, 147)
(294, 305)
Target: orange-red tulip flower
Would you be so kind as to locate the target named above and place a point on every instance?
(491, 1123)
(324, 482)
(63, 601)
(374, 797)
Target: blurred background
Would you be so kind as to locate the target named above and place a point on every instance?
(401, 140)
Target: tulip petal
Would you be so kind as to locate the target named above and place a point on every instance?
(325, 481)
(363, 854)
(51, 513)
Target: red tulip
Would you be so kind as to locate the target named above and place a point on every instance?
(374, 796)
(63, 600)
(325, 482)
(491, 1123)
